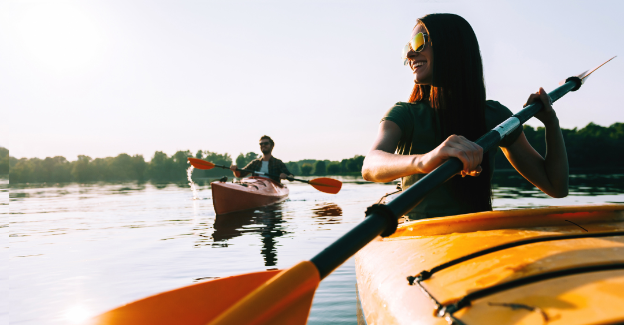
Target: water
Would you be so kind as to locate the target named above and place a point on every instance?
(79, 250)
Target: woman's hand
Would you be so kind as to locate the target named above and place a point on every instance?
(233, 167)
(547, 114)
(457, 146)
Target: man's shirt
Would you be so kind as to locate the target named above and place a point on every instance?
(276, 167)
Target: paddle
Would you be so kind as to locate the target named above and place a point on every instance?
(323, 184)
(286, 297)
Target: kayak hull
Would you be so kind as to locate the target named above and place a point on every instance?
(249, 193)
(565, 266)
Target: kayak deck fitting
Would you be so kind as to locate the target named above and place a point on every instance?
(249, 193)
(556, 265)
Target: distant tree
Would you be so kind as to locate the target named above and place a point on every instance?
(219, 159)
(139, 167)
(53, 170)
(319, 168)
(334, 168)
(81, 170)
(251, 156)
(199, 154)
(4, 160)
(241, 161)
(159, 166)
(293, 167)
(306, 169)
(180, 165)
(355, 164)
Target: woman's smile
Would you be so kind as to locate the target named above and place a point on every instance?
(418, 64)
(421, 62)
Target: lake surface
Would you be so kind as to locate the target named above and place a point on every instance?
(77, 250)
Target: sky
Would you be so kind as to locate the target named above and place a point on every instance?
(100, 78)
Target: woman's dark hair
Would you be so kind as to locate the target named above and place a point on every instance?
(458, 95)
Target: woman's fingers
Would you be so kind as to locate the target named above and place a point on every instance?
(465, 150)
(531, 99)
(547, 113)
(474, 151)
(546, 100)
(462, 151)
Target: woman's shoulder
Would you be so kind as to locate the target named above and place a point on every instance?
(496, 110)
(413, 105)
(407, 111)
(415, 108)
(495, 105)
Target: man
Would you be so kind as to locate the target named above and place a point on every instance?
(267, 164)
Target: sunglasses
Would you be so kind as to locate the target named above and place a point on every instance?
(265, 143)
(416, 44)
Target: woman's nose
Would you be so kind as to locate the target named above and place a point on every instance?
(411, 55)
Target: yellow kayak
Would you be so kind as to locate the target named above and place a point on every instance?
(556, 265)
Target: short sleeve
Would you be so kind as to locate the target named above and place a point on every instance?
(496, 114)
(399, 114)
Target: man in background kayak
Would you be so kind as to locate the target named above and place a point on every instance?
(267, 164)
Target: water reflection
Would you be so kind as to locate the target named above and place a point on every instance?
(266, 222)
(510, 184)
(327, 213)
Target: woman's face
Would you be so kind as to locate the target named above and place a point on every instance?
(421, 62)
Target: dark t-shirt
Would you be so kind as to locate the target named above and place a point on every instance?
(421, 133)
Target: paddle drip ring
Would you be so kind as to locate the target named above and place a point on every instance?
(386, 213)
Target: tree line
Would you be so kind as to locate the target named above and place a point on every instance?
(593, 147)
(161, 168)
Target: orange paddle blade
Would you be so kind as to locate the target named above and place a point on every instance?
(201, 164)
(284, 299)
(196, 304)
(326, 185)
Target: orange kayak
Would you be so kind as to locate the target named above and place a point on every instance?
(249, 193)
(555, 265)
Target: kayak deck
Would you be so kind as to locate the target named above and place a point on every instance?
(557, 265)
(249, 193)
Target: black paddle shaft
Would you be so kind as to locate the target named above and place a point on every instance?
(383, 220)
(256, 173)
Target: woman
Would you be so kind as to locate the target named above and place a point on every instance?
(447, 110)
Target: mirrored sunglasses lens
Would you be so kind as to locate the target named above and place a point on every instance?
(418, 42)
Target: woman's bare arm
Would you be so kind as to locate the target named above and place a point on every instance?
(383, 165)
(550, 173)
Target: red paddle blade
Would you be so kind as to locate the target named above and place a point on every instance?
(196, 304)
(201, 164)
(326, 185)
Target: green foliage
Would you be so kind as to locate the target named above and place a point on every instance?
(4, 161)
(319, 168)
(243, 160)
(334, 168)
(216, 158)
(293, 167)
(355, 164)
(593, 147)
(306, 169)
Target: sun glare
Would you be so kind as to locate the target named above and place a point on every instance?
(60, 36)
(77, 314)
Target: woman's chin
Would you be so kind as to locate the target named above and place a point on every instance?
(421, 79)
